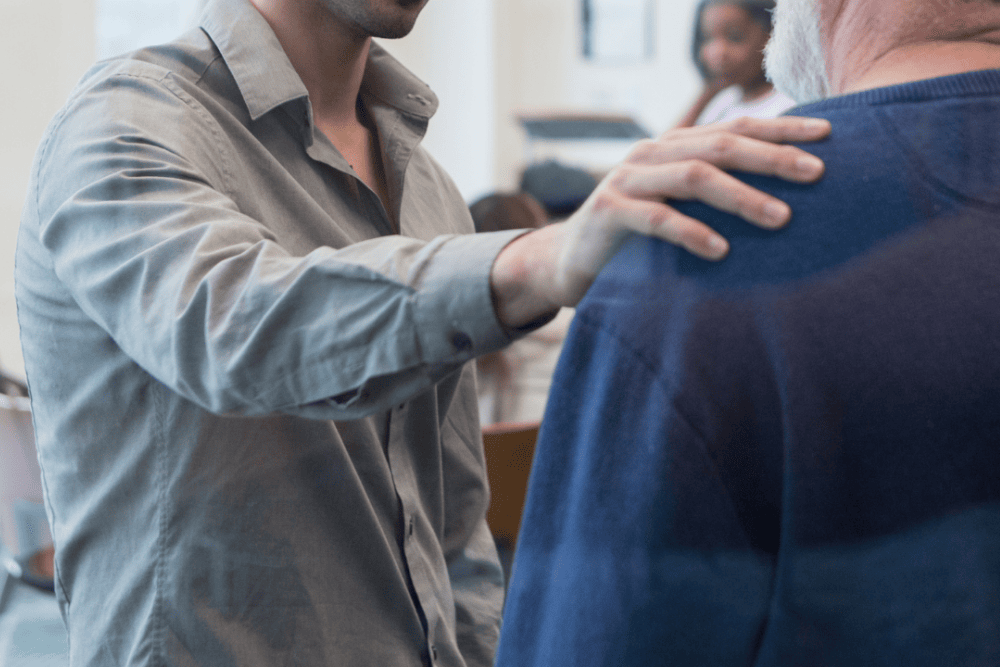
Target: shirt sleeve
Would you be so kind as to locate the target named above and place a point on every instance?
(137, 226)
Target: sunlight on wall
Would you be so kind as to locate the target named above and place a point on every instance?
(451, 49)
(125, 25)
(51, 52)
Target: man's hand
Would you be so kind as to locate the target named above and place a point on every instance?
(554, 266)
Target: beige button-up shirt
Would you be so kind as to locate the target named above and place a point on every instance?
(256, 427)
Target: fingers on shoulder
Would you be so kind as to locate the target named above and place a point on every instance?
(681, 179)
(660, 220)
(689, 180)
(783, 129)
(723, 149)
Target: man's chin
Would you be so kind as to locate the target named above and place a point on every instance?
(385, 19)
(405, 17)
(394, 31)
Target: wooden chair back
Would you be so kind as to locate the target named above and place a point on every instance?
(510, 449)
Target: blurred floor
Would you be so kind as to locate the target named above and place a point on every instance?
(32, 633)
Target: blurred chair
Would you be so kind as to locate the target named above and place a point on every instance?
(20, 479)
(510, 448)
(24, 527)
(32, 633)
(560, 188)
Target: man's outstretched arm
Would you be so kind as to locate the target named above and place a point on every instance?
(553, 267)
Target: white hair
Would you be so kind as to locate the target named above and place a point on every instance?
(793, 59)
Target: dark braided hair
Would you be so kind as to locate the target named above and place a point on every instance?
(759, 10)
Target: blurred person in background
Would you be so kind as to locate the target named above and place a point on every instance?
(500, 380)
(728, 50)
(513, 383)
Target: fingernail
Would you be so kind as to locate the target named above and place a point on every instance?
(718, 247)
(809, 165)
(777, 213)
(817, 124)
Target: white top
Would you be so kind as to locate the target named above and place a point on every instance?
(531, 361)
(728, 106)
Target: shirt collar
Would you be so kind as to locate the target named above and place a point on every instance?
(262, 71)
(267, 80)
(392, 84)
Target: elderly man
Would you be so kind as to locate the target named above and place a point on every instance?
(790, 458)
(247, 298)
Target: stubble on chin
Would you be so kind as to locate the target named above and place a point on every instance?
(793, 59)
(387, 19)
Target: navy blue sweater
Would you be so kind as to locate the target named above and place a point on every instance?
(791, 457)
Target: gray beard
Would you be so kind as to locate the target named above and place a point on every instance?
(793, 58)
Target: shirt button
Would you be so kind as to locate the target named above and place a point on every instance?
(461, 341)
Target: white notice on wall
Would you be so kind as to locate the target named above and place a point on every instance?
(620, 31)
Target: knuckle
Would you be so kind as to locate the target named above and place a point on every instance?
(604, 201)
(620, 177)
(748, 126)
(659, 219)
(721, 147)
(743, 125)
(691, 238)
(786, 157)
(688, 235)
(667, 223)
(642, 150)
(695, 175)
(750, 208)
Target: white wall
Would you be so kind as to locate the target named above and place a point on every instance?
(489, 59)
(125, 25)
(47, 45)
(540, 66)
(451, 49)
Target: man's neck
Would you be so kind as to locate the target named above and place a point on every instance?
(917, 62)
(328, 56)
(876, 43)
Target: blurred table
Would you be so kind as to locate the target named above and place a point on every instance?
(594, 141)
